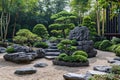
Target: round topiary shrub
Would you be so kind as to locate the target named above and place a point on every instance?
(105, 44)
(41, 30)
(117, 51)
(80, 53)
(40, 45)
(61, 56)
(80, 58)
(97, 44)
(10, 50)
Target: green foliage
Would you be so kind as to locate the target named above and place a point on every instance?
(56, 33)
(105, 44)
(117, 51)
(40, 30)
(115, 40)
(10, 50)
(116, 69)
(80, 53)
(91, 25)
(63, 20)
(25, 36)
(74, 42)
(66, 46)
(40, 45)
(61, 56)
(112, 48)
(97, 44)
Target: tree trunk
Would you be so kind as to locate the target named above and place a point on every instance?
(7, 24)
(64, 35)
(103, 23)
(98, 18)
(1, 26)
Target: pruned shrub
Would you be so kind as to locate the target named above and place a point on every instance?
(40, 45)
(116, 69)
(117, 51)
(115, 40)
(80, 53)
(105, 44)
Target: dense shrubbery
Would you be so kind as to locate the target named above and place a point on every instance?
(117, 51)
(97, 44)
(116, 69)
(25, 36)
(104, 45)
(55, 39)
(41, 31)
(115, 40)
(40, 45)
(80, 53)
(10, 50)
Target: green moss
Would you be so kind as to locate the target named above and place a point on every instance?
(10, 50)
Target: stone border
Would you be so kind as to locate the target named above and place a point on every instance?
(70, 64)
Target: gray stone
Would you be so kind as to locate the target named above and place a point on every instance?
(73, 76)
(53, 47)
(50, 57)
(103, 68)
(52, 53)
(24, 71)
(2, 50)
(79, 33)
(40, 65)
(19, 48)
(52, 50)
(92, 73)
(40, 52)
(20, 57)
(111, 61)
(117, 58)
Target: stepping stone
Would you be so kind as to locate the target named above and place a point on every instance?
(53, 47)
(54, 44)
(52, 53)
(50, 57)
(117, 58)
(117, 63)
(111, 61)
(2, 50)
(41, 65)
(24, 71)
(103, 68)
(52, 50)
(73, 76)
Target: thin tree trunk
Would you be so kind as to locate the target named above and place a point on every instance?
(98, 19)
(103, 23)
(7, 24)
(2, 26)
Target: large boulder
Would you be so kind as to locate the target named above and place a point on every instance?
(2, 50)
(20, 57)
(81, 34)
(24, 71)
(19, 48)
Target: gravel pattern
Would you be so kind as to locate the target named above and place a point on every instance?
(51, 72)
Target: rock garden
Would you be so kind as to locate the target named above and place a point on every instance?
(60, 40)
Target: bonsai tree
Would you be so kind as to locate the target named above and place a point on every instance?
(25, 36)
(66, 47)
(41, 31)
(62, 21)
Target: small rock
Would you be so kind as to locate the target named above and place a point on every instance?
(23, 71)
(73, 76)
(117, 58)
(2, 50)
(111, 61)
(50, 57)
(40, 65)
(103, 68)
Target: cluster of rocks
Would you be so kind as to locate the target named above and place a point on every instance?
(81, 34)
(24, 54)
(52, 52)
(30, 70)
(97, 70)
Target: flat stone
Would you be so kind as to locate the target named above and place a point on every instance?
(53, 47)
(102, 68)
(117, 58)
(2, 50)
(90, 73)
(23, 71)
(52, 53)
(40, 65)
(117, 63)
(50, 57)
(52, 50)
(73, 76)
(111, 61)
